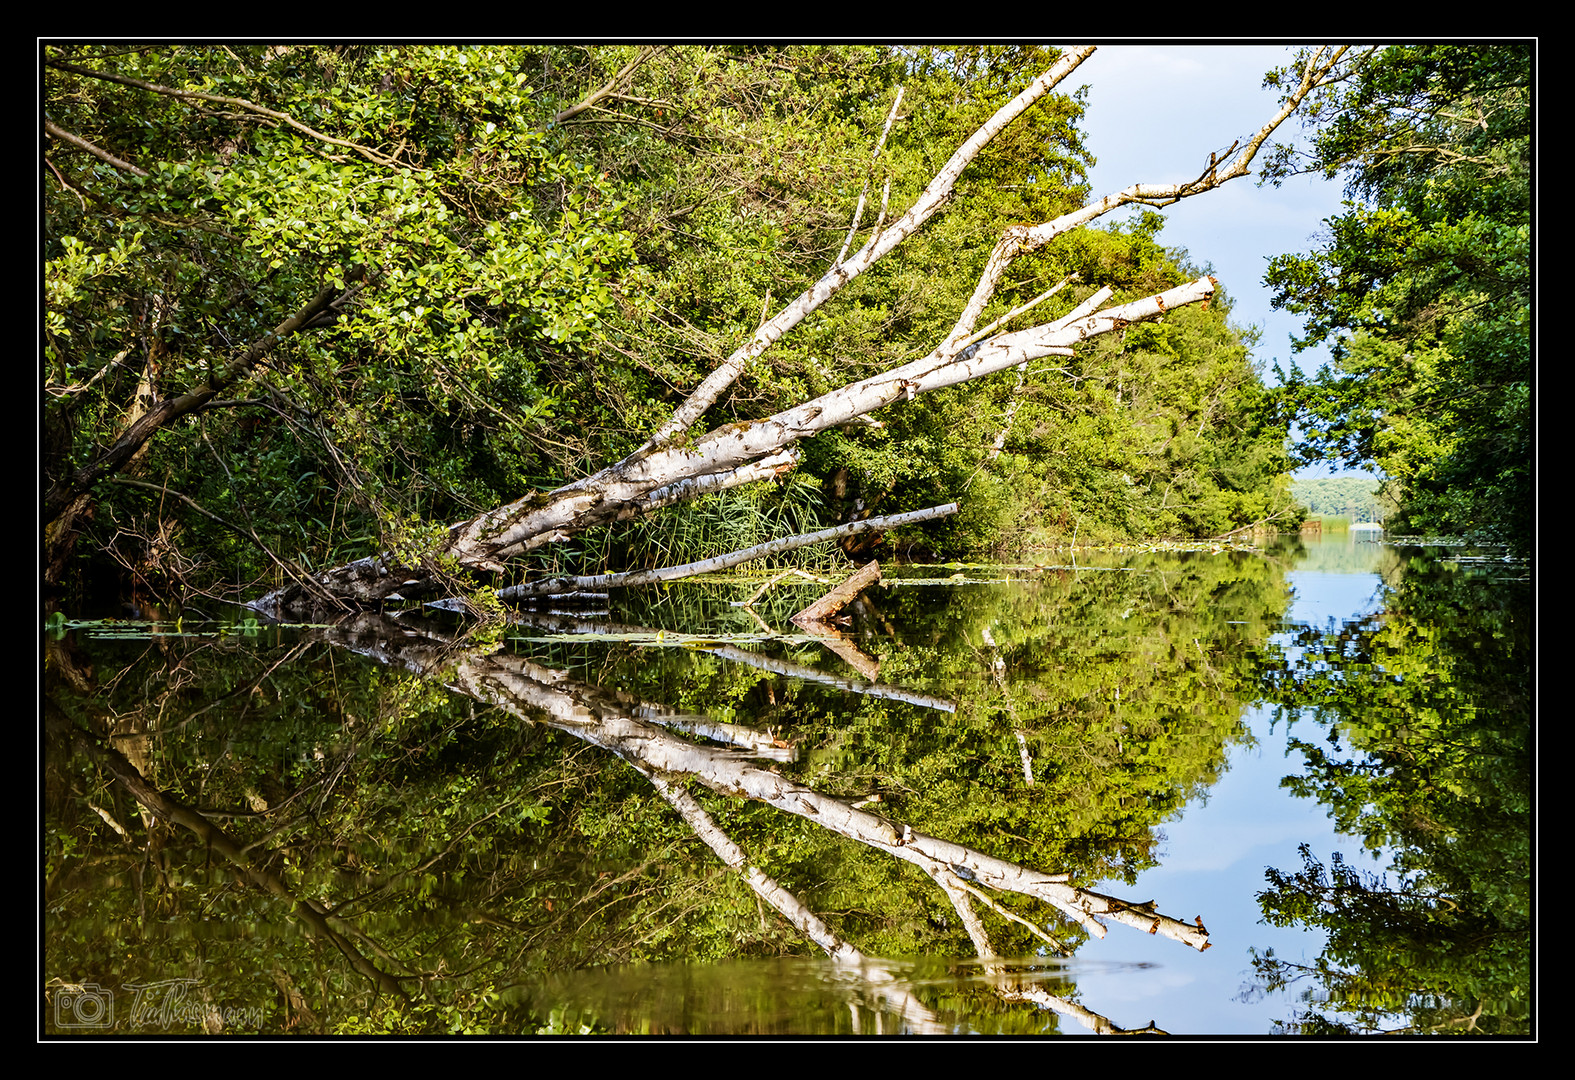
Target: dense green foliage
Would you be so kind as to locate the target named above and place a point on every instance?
(492, 251)
(1423, 287)
(546, 280)
(1427, 758)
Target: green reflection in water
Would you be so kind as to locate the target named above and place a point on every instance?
(1415, 729)
(297, 838)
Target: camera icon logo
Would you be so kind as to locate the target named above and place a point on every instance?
(84, 1005)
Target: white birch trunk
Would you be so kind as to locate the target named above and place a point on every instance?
(721, 562)
(521, 526)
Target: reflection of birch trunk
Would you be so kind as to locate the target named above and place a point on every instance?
(1008, 986)
(568, 624)
(809, 674)
(970, 919)
(846, 651)
(599, 717)
(890, 992)
(765, 887)
(1028, 761)
(998, 672)
(1099, 1025)
(761, 744)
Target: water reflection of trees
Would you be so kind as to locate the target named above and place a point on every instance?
(459, 851)
(1423, 750)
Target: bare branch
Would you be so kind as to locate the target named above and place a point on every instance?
(611, 85)
(132, 439)
(603, 719)
(785, 903)
(571, 624)
(64, 184)
(1020, 239)
(720, 562)
(82, 144)
(239, 103)
(858, 211)
(1020, 309)
(952, 881)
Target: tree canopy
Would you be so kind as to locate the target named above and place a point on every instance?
(1422, 287)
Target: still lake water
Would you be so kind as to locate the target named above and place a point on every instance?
(379, 828)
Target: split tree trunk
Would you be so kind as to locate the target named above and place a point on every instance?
(840, 597)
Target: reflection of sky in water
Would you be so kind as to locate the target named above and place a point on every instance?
(1322, 596)
(1213, 864)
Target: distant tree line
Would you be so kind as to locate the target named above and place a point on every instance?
(1359, 498)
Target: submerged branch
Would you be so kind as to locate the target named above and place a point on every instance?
(719, 562)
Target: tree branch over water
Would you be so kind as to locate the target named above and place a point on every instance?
(670, 459)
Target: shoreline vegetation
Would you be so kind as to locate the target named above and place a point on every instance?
(459, 323)
(517, 262)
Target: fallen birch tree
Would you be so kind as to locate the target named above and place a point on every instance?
(552, 586)
(673, 466)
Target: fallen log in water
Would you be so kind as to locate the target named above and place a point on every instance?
(549, 586)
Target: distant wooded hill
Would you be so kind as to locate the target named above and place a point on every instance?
(1353, 497)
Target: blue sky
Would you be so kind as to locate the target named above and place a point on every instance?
(1154, 114)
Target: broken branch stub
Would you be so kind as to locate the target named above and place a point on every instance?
(838, 598)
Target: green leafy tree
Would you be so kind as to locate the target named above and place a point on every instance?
(198, 196)
(1423, 288)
